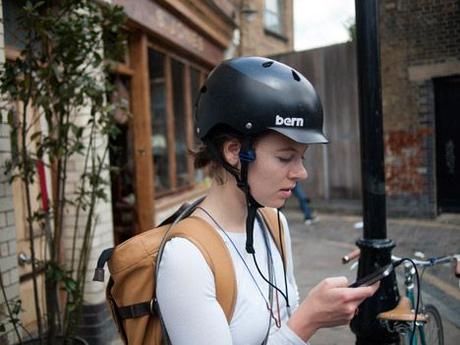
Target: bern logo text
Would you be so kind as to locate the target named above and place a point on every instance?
(289, 121)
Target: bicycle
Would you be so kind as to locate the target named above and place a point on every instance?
(400, 319)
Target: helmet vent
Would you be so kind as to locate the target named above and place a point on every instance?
(295, 75)
(203, 89)
(267, 64)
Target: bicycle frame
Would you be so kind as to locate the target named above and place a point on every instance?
(409, 273)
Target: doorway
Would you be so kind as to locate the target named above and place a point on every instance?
(447, 115)
(121, 161)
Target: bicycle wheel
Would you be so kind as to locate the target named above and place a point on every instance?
(430, 333)
(432, 330)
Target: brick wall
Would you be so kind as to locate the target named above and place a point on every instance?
(8, 257)
(420, 40)
(254, 38)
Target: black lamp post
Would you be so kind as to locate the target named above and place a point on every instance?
(375, 247)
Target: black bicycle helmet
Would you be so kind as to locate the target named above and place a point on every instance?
(253, 94)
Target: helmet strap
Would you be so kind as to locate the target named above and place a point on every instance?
(247, 155)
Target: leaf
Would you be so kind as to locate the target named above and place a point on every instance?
(36, 135)
(16, 307)
(11, 117)
(70, 285)
(71, 306)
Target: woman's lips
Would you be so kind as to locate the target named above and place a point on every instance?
(286, 193)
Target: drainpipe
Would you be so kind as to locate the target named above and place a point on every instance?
(374, 245)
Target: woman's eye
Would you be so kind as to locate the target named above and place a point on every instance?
(285, 159)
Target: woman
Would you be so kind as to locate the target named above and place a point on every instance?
(256, 118)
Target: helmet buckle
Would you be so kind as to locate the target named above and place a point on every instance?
(247, 156)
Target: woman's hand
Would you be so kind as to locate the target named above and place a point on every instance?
(330, 303)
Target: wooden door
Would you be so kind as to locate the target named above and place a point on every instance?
(28, 316)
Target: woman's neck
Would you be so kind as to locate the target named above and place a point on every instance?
(226, 204)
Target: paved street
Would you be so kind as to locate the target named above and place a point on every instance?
(318, 249)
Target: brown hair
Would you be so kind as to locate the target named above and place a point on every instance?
(205, 156)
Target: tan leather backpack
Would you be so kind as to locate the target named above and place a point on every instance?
(131, 290)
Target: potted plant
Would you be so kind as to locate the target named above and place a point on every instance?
(61, 73)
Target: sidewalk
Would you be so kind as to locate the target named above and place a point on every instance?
(318, 249)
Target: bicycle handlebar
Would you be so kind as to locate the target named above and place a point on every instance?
(353, 255)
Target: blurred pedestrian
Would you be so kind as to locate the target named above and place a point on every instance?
(303, 204)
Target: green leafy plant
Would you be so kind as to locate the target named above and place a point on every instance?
(55, 100)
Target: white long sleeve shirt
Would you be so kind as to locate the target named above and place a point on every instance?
(187, 298)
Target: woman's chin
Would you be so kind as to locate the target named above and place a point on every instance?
(275, 203)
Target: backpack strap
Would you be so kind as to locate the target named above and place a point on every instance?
(270, 218)
(216, 253)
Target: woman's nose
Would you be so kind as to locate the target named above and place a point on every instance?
(299, 172)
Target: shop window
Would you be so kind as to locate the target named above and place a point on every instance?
(174, 86)
(159, 128)
(181, 151)
(273, 15)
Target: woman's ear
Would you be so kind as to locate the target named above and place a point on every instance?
(231, 152)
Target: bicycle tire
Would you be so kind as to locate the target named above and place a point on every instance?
(433, 330)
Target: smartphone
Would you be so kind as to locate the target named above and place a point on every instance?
(373, 277)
